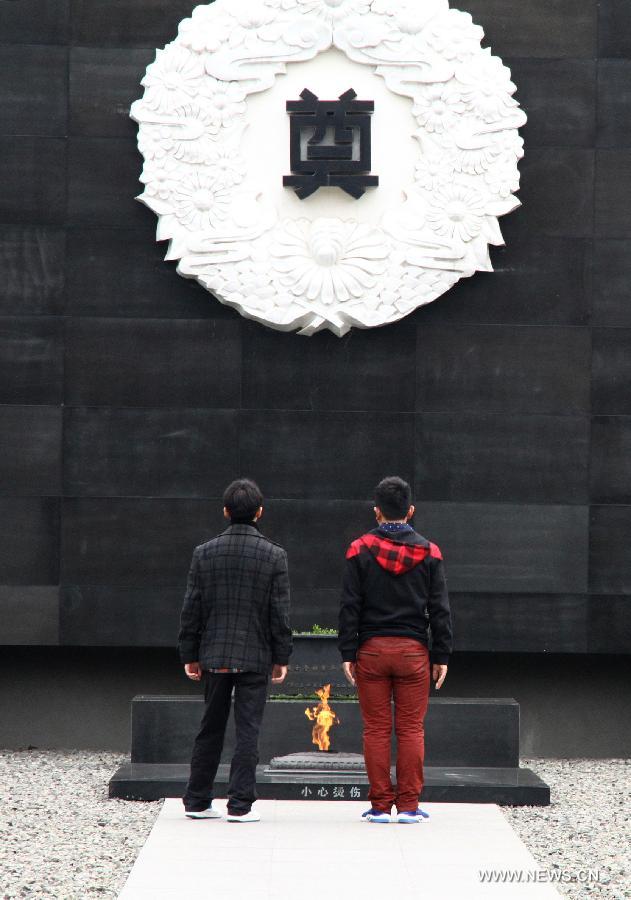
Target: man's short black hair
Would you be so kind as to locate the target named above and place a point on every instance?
(242, 498)
(393, 496)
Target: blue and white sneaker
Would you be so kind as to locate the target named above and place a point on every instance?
(374, 815)
(412, 817)
(209, 813)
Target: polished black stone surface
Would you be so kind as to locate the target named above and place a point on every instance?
(121, 272)
(612, 276)
(127, 23)
(537, 28)
(33, 263)
(480, 457)
(564, 116)
(611, 451)
(31, 360)
(459, 732)
(95, 200)
(141, 452)
(33, 89)
(152, 363)
(503, 369)
(33, 180)
(325, 455)
(30, 450)
(29, 539)
(557, 190)
(610, 560)
(614, 28)
(613, 186)
(104, 81)
(29, 614)
(614, 103)
(611, 371)
(504, 786)
(35, 21)
(536, 281)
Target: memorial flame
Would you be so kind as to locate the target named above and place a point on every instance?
(324, 718)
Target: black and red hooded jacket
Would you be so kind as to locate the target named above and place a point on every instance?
(394, 585)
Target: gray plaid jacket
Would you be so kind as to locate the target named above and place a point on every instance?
(236, 607)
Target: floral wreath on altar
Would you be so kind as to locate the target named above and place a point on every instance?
(330, 272)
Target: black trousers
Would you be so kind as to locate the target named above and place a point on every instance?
(250, 695)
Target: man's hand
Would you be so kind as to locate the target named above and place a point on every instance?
(193, 671)
(279, 673)
(439, 673)
(349, 672)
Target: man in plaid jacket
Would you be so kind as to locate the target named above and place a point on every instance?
(234, 631)
(394, 586)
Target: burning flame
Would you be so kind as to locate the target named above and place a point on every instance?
(324, 719)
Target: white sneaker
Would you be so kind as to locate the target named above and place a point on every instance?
(251, 816)
(209, 813)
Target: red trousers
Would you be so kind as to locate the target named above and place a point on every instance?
(393, 668)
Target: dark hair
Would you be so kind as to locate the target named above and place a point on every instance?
(393, 496)
(242, 498)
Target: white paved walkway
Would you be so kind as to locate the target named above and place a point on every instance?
(323, 851)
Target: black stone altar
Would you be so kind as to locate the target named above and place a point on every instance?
(472, 753)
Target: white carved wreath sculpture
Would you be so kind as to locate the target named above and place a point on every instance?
(328, 273)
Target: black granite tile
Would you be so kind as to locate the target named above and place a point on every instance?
(30, 450)
(559, 98)
(103, 182)
(503, 369)
(134, 542)
(609, 558)
(520, 623)
(612, 277)
(614, 28)
(34, 21)
(31, 360)
(611, 374)
(557, 191)
(315, 606)
(537, 28)
(614, 103)
(122, 272)
(160, 362)
(610, 456)
(316, 535)
(609, 624)
(325, 455)
(149, 452)
(29, 540)
(29, 615)
(537, 281)
(613, 189)
(126, 23)
(289, 371)
(104, 82)
(32, 262)
(33, 89)
(505, 547)
(119, 617)
(34, 180)
(481, 457)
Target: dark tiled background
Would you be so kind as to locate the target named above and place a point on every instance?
(129, 396)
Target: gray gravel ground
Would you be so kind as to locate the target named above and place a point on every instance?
(62, 839)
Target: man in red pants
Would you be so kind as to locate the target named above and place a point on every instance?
(394, 585)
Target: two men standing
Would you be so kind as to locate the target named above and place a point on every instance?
(235, 631)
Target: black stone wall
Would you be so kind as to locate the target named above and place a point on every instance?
(129, 396)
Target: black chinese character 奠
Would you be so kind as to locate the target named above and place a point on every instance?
(338, 153)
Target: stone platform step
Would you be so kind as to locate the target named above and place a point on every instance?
(443, 784)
